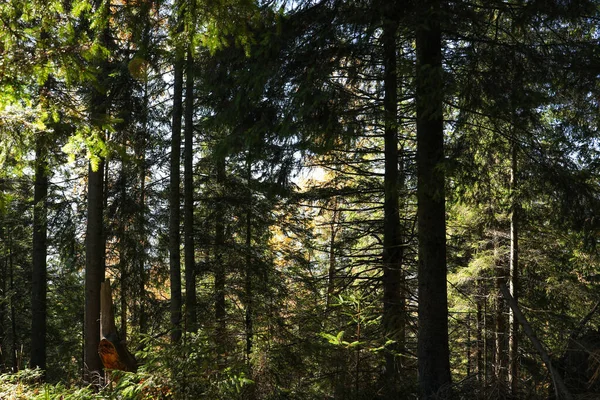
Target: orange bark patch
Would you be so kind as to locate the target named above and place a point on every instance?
(110, 357)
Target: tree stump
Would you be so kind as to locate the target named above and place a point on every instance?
(112, 350)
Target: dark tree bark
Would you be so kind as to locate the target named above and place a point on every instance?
(332, 269)
(469, 344)
(142, 167)
(249, 268)
(3, 292)
(39, 246)
(38, 273)
(513, 339)
(220, 310)
(13, 319)
(174, 200)
(141, 256)
(394, 308)
(95, 243)
(433, 350)
(501, 329)
(122, 246)
(188, 221)
(249, 287)
(480, 349)
(94, 270)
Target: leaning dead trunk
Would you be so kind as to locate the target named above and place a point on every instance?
(112, 350)
(560, 388)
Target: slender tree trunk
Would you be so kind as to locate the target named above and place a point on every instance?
(122, 232)
(40, 228)
(38, 276)
(141, 218)
(468, 352)
(513, 340)
(333, 226)
(433, 349)
(480, 349)
(124, 306)
(140, 151)
(174, 200)
(486, 345)
(249, 287)
(141, 257)
(332, 256)
(3, 293)
(249, 268)
(394, 308)
(188, 221)
(13, 319)
(500, 359)
(340, 361)
(513, 278)
(220, 310)
(123, 268)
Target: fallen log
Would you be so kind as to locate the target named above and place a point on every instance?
(112, 350)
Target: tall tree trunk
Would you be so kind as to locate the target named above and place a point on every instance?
(40, 228)
(95, 247)
(469, 344)
(513, 268)
(140, 152)
(124, 307)
(123, 267)
(331, 276)
(433, 349)
(513, 339)
(480, 349)
(13, 319)
(3, 294)
(94, 270)
(500, 359)
(486, 344)
(141, 257)
(188, 221)
(220, 310)
(249, 287)
(38, 273)
(174, 199)
(95, 243)
(394, 308)
(249, 273)
(340, 360)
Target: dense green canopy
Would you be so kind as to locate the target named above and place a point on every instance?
(301, 200)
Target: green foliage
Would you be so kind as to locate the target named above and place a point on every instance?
(27, 384)
(91, 142)
(185, 371)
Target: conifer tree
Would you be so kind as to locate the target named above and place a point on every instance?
(433, 350)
